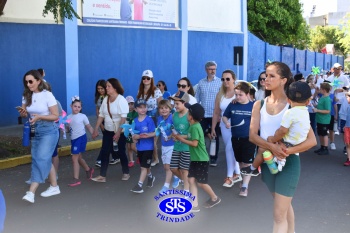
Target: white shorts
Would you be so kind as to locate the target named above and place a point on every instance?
(167, 151)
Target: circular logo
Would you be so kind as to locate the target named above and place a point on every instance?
(175, 206)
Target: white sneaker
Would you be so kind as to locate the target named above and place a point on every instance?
(51, 191)
(333, 146)
(29, 197)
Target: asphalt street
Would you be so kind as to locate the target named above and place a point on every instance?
(321, 202)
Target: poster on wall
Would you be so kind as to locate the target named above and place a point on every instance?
(140, 13)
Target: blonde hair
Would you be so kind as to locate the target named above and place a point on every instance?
(164, 103)
(223, 89)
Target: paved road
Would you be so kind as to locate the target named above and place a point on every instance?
(321, 203)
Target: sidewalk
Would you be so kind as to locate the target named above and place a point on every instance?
(17, 130)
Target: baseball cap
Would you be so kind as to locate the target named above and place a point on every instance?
(196, 110)
(337, 65)
(130, 99)
(181, 96)
(299, 92)
(140, 102)
(147, 73)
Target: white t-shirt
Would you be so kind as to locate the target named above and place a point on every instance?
(119, 108)
(338, 82)
(41, 102)
(297, 120)
(260, 94)
(77, 125)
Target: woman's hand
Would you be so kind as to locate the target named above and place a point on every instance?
(34, 118)
(22, 112)
(213, 133)
(116, 137)
(279, 150)
(94, 134)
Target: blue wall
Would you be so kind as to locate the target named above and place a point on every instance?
(123, 53)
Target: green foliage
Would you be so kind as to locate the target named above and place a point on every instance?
(278, 22)
(322, 35)
(60, 9)
(345, 39)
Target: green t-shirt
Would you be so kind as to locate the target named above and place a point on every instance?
(181, 125)
(324, 103)
(198, 153)
(131, 116)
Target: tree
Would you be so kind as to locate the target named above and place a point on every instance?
(278, 22)
(345, 40)
(59, 8)
(322, 35)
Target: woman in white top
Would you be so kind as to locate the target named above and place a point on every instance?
(41, 107)
(113, 112)
(223, 99)
(267, 118)
(260, 94)
(149, 92)
(184, 84)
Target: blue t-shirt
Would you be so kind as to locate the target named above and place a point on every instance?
(168, 122)
(125, 10)
(145, 126)
(347, 124)
(2, 211)
(240, 115)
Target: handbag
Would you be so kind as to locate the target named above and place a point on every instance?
(116, 124)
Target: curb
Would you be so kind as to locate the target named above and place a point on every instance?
(62, 151)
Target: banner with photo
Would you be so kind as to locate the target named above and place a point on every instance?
(140, 13)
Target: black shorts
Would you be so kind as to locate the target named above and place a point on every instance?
(331, 124)
(322, 129)
(244, 150)
(145, 158)
(199, 171)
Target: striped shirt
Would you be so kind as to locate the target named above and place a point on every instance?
(206, 94)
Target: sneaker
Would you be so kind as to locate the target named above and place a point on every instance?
(131, 164)
(137, 189)
(90, 173)
(98, 163)
(125, 177)
(114, 161)
(154, 163)
(347, 163)
(51, 191)
(28, 181)
(318, 150)
(74, 182)
(195, 209)
(344, 150)
(176, 182)
(164, 189)
(238, 178)
(150, 181)
(336, 132)
(323, 152)
(29, 197)
(210, 203)
(247, 171)
(332, 145)
(99, 179)
(243, 192)
(213, 163)
(228, 182)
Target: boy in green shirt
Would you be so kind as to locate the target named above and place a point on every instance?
(198, 172)
(323, 117)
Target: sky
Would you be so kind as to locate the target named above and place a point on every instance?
(322, 6)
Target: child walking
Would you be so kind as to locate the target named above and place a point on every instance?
(180, 159)
(77, 124)
(164, 122)
(130, 145)
(295, 124)
(199, 165)
(347, 130)
(144, 145)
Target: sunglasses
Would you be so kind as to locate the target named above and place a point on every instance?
(144, 78)
(29, 81)
(227, 79)
(182, 86)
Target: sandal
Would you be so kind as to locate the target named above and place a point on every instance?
(99, 179)
(228, 182)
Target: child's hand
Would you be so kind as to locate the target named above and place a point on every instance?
(176, 136)
(228, 125)
(315, 109)
(269, 139)
(94, 134)
(136, 137)
(144, 135)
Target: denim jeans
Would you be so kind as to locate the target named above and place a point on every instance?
(107, 145)
(2, 211)
(43, 146)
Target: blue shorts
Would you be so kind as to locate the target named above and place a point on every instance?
(78, 145)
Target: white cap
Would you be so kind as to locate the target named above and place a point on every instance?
(130, 99)
(337, 65)
(147, 73)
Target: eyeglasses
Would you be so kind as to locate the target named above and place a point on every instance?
(144, 78)
(211, 69)
(336, 68)
(29, 81)
(262, 79)
(182, 86)
(223, 79)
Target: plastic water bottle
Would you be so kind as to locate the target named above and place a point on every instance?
(64, 133)
(115, 146)
(268, 158)
(26, 134)
(32, 131)
(212, 149)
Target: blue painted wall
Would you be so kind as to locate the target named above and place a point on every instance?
(123, 53)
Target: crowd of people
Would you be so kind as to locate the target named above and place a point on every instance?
(250, 123)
